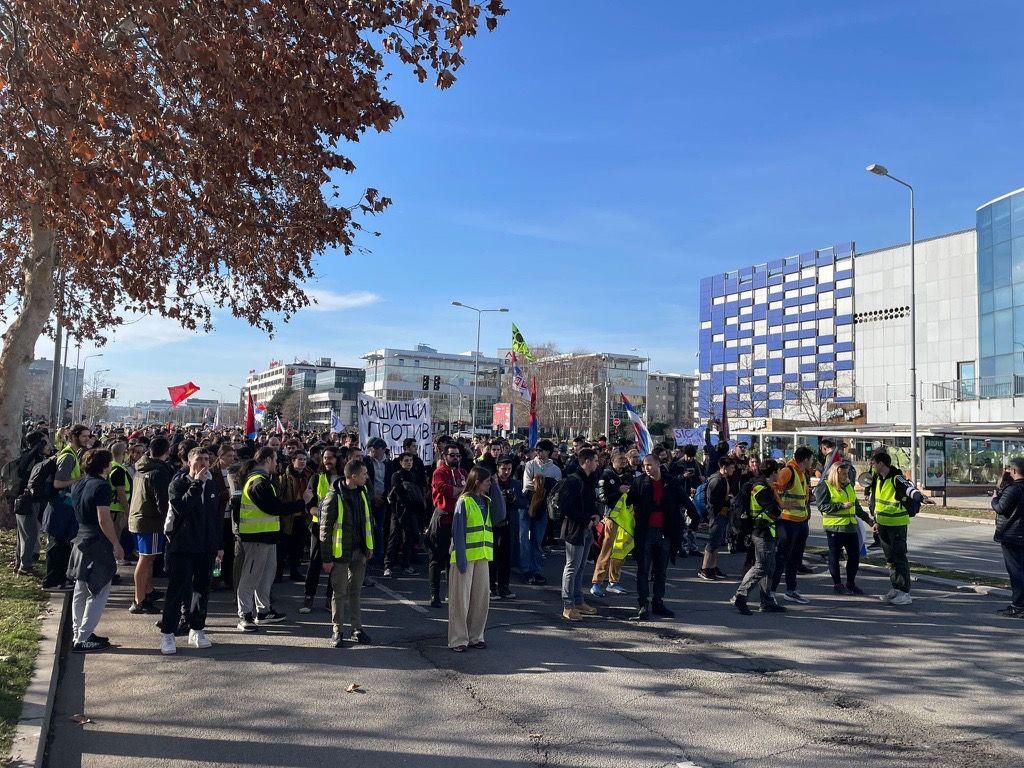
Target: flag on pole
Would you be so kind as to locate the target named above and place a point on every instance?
(216, 416)
(519, 345)
(280, 427)
(519, 385)
(250, 418)
(260, 410)
(534, 426)
(181, 393)
(723, 428)
(336, 425)
(643, 437)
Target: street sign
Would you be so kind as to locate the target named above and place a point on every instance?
(616, 422)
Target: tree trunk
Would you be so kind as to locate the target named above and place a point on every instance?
(37, 302)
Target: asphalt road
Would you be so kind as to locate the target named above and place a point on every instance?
(841, 680)
(948, 544)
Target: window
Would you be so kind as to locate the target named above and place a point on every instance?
(844, 306)
(792, 293)
(808, 325)
(747, 294)
(760, 327)
(792, 365)
(826, 300)
(826, 326)
(774, 271)
(774, 354)
(732, 297)
(760, 295)
(731, 320)
(776, 379)
(760, 351)
(844, 356)
(806, 272)
(718, 301)
(717, 367)
(747, 326)
(775, 305)
(718, 337)
(844, 334)
(826, 366)
(706, 325)
(965, 374)
(825, 273)
(846, 282)
(732, 343)
(825, 349)
(808, 376)
(788, 327)
(807, 359)
(746, 310)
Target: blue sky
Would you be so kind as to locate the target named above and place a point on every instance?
(596, 159)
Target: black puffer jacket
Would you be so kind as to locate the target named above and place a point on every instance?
(194, 522)
(1009, 507)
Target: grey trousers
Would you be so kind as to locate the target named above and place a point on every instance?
(256, 577)
(760, 572)
(27, 551)
(347, 591)
(86, 610)
(469, 600)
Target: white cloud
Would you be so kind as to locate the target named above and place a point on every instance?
(330, 301)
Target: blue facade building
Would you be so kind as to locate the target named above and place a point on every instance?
(1000, 227)
(778, 336)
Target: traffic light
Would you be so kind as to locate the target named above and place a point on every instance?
(437, 383)
(426, 383)
(104, 395)
(113, 394)
(67, 403)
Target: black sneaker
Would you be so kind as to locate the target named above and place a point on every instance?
(99, 638)
(804, 570)
(839, 589)
(773, 608)
(507, 595)
(89, 646)
(853, 589)
(307, 605)
(641, 615)
(706, 575)
(660, 609)
(146, 606)
(1011, 610)
(154, 595)
(361, 637)
(435, 601)
(270, 617)
(368, 582)
(537, 580)
(740, 601)
(718, 573)
(337, 641)
(246, 623)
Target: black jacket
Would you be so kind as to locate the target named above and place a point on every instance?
(353, 522)
(264, 496)
(641, 498)
(689, 473)
(407, 497)
(194, 523)
(1009, 507)
(609, 486)
(419, 470)
(712, 453)
(577, 499)
(718, 493)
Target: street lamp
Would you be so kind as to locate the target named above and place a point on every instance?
(79, 376)
(881, 170)
(476, 358)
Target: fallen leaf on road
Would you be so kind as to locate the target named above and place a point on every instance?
(355, 688)
(81, 719)
(536, 736)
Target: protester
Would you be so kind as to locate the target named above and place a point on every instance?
(259, 529)
(316, 491)
(657, 501)
(222, 471)
(690, 474)
(577, 504)
(794, 490)
(407, 503)
(95, 552)
(612, 485)
(59, 520)
(472, 545)
(890, 493)
(121, 488)
(346, 546)
(26, 507)
(292, 484)
(146, 517)
(514, 503)
(446, 486)
(1008, 503)
(377, 488)
(719, 495)
(839, 507)
(765, 507)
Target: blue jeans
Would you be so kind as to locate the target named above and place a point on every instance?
(789, 553)
(531, 540)
(572, 575)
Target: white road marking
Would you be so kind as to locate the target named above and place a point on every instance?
(395, 596)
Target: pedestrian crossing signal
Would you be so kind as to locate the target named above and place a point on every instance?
(426, 383)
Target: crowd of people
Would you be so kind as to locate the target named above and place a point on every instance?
(210, 509)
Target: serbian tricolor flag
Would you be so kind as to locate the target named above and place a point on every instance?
(643, 437)
(181, 393)
(250, 418)
(534, 426)
(280, 427)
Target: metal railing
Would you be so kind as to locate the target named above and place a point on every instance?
(983, 388)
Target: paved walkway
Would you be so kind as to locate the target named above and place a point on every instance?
(842, 680)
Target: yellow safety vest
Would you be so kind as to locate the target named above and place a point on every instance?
(76, 473)
(757, 511)
(624, 517)
(844, 512)
(252, 519)
(479, 537)
(339, 549)
(888, 511)
(115, 505)
(323, 485)
(794, 499)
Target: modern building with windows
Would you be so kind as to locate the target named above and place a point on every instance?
(300, 374)
(445, 378)
(335, 391)
(671, 398)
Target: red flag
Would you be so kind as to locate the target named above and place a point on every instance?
(279, 427)
(250, 418)
(181, 393)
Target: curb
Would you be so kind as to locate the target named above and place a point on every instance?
(960, 586)
(956, 518)
(30, 734)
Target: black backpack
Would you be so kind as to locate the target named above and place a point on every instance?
(555, 512)
(11, 481)
(40, 480)
(739, 507)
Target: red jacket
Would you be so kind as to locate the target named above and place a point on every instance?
(445, 487)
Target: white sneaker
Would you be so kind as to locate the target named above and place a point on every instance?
(888, 596)
(795, 597)
(616, 589)
(902, 598)
(197, 639)
(167, 644)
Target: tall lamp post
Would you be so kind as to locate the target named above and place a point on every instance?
(881, 170)
(476, 358)
(79, 380)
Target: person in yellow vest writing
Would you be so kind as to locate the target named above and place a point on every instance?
(792, 528)
(890, 493)
(472, 550)
(259, 529)
(765, 508)
(837, 502)
(346, 546)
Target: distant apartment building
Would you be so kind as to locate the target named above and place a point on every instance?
(39, 385)
(300, 374)
(335, 391)
(672, 398)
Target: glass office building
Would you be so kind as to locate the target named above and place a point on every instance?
(778, 338)
(1000, 227)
